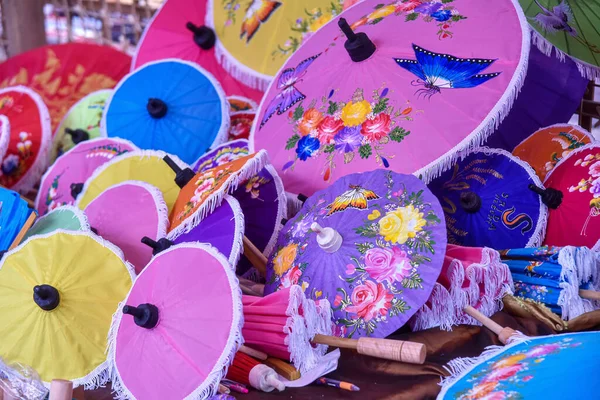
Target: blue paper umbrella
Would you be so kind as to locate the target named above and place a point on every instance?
(555, 277)
(14, 211)
(170, 105)
(546, 367)
(487, 201)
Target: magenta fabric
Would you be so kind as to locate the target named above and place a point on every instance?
(427, 96)
(123, 214)
(198, 331)
(76, 166)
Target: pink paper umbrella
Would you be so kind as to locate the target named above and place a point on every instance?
(408, 86)
(177, 31)
(125, 213)
(180, 327)
(66, 176)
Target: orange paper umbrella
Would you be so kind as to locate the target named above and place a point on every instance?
(547, 146)
(201, 194)
(63, 74)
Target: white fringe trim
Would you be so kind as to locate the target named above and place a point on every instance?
(446, 305)
(32, 176)
(4, 136)
(235, 68)
(100, 375)
(251, 168)
(580, 265)
(141, 154)
(281, 209)
(238, 244)
(293, 205)
(39, 198)
(588, 71)
(211, 384)
(223, 132)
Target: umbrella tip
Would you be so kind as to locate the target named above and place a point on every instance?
(470, 202)
(284, 221)
(76, 189)
(182, 176)
(358, 45)
(204, 37)
(46, 297)
(156, 108)
(550, 197)
(302, 197)
(328, 239)
(77, 135)
(144, 315)
(158, 246)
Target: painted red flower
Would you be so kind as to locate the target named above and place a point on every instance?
(290, 278)
(328, 127)
(376, 128)
(407, 6)
(370, 300)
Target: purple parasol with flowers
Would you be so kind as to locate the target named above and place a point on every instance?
(373, 244)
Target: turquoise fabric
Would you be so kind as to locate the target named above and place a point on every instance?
(14, 211)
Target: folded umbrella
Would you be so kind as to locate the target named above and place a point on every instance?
(64, 180)
(63, 74)
(577, 178)
(392, 91)
(527, 368)
(382, 238)
(241, 103)
(30, 135)
(177, 30)
(240, 124)
(59, 292)
(488, 203)
(223, 154)
(125, 213)
(66, 218)
(139, 165)
(179, 328)
(82, 122)
(184, 115)
(547, 146)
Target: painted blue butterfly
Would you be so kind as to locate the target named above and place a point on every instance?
(288, 95)
(438, 71)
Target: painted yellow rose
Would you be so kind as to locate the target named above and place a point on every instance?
(381, 12)
(285, 258)
(319, 22)
(401, 224)
(354, 114)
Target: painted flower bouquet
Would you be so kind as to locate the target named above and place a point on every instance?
(360, 127)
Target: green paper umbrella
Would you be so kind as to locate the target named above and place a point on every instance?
(66, 217)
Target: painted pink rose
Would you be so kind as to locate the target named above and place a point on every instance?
(370, 300)
(376, 128)
(328, 127)
(202, 188)
(501, 374)
(387, 264)
(501, 395)
(337, 301)
(595, 169)
(407, 6)
(542, 350)
(290, 278)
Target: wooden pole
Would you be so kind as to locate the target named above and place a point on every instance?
(24, 20)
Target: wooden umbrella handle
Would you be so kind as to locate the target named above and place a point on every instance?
(503, 333)
(256, 258)
(589, 294)
(61, 389)
(23, 231)
(388, 349)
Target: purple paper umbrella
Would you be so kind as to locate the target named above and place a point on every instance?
(372, 243)
(223, 229)
(69, 171)
(223, 154)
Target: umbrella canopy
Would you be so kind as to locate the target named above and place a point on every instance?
(241, 103)
(30, 136)
(568, 28)
(225, 153)
(527, 368)
(382, 236)
(223, 229)
(487, 201)
(14, 211)
(177, 31)
(547, 146)
(164, 115)
(63, 181)
(241, 124)
(67, 218)
(206, 190)
(4, 135)
(471, 276)
(138, 165)
(185, 319)
(125, 213)
(554, 275)
(428, 96)
(82, 122)
(59, 292)
(63, 74)
(256, 37)
(575, 222)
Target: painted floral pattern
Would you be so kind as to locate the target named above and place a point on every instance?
(224, 155)
(590, 184)
(241, 124)
(205, 184)
(358, 128)
(52, 198)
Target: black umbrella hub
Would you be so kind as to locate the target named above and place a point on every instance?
(144, 315)
(204, 37)
(46, 297)
(470, 202)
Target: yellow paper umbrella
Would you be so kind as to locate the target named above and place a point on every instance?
(142, 165)
(58, 293)
(256, 37)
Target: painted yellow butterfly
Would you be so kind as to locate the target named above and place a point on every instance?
(356, 197)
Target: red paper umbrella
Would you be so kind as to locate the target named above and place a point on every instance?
(30, 135)
(576, 221)
(63, 74)
(177, 31)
